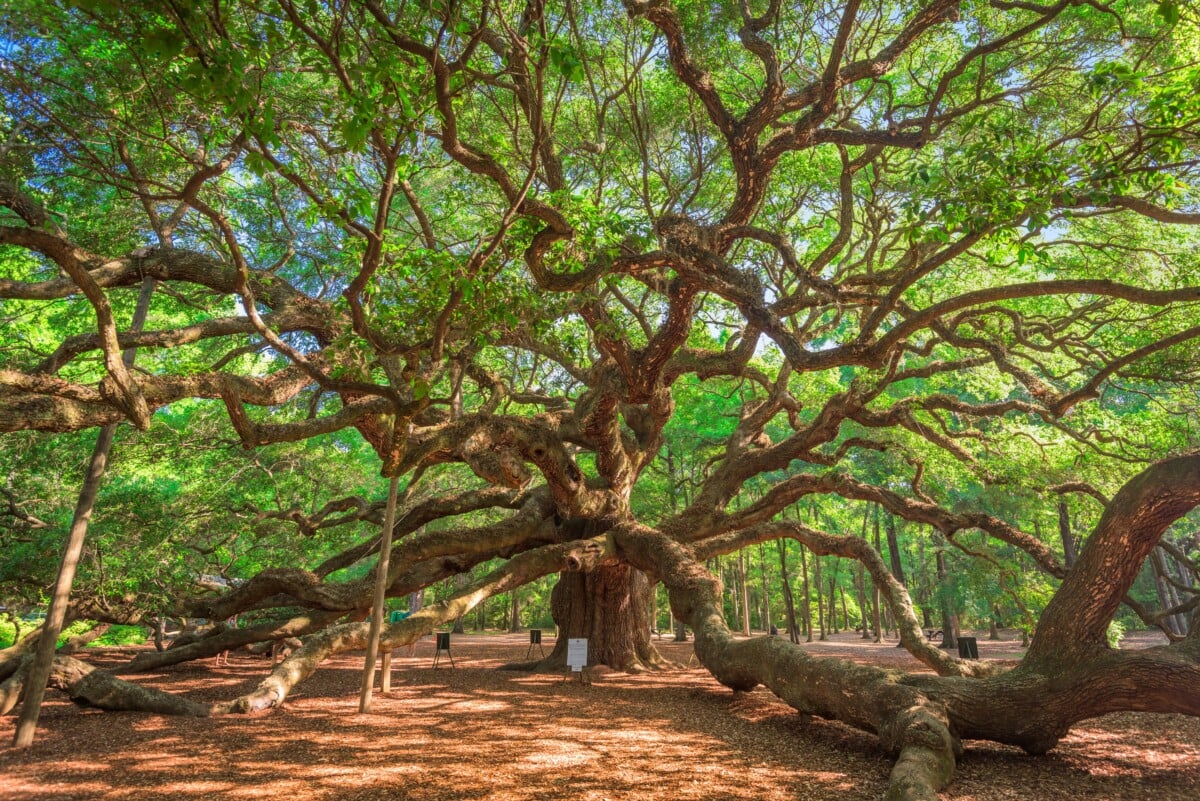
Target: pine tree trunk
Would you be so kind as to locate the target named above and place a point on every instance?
(923, 594)
(1064, 531)
(820, 596)
(875, 599)
(864, 606)
(806, 601)
(949, 619)
(833, 605)
(766, 594)
(460, 581)
(514, 616)
(731, 581)
(745, 593)
(789, 603)
(894, 550)
(1168, 598)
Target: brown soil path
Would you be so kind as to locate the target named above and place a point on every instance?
(478, 733)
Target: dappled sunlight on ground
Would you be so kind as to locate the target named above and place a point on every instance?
(475, 732)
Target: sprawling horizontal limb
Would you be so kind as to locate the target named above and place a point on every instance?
(520, 570)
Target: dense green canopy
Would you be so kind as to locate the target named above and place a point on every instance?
(579, 268)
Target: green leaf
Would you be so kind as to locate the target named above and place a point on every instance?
(1169, 11)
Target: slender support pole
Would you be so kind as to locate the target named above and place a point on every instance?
(39, 672)
(385, 677)
(381, 582)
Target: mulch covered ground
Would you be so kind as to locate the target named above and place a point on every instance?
(474, 732)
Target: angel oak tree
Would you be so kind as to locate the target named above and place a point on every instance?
(651, 274)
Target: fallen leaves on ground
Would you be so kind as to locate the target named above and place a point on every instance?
(475, 732)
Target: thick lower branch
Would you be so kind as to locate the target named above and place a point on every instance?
(86, 685)
(520, 570)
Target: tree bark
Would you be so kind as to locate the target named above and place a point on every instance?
(1133, 522)
(820, 596)
(514, 615)
(1064, 531)
(789, 604)
(609, 607)
(946, 602)
(1168, 598)
(87, 686)
(894, 550)
(742, 583)
(807, 599)
(766, 590)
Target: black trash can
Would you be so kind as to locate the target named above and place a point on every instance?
(968, 648)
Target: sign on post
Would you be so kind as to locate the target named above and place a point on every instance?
(577, 653)
(535, 639)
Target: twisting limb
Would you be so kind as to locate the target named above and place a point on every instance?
(908, 723)
(227, 639)
(912, 637)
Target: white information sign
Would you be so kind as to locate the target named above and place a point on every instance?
(577, 653)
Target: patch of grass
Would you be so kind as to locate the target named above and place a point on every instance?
(116, 636)
(7, 634)
(121, 635)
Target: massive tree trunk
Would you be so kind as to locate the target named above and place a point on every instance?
(609, 606)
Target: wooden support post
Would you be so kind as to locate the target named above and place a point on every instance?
(385, 668)
(39, 672)
(381, 584)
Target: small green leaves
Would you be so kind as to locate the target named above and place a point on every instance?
(567, 61)
(1169, 11)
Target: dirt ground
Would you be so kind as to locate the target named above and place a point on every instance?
(474, 732)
